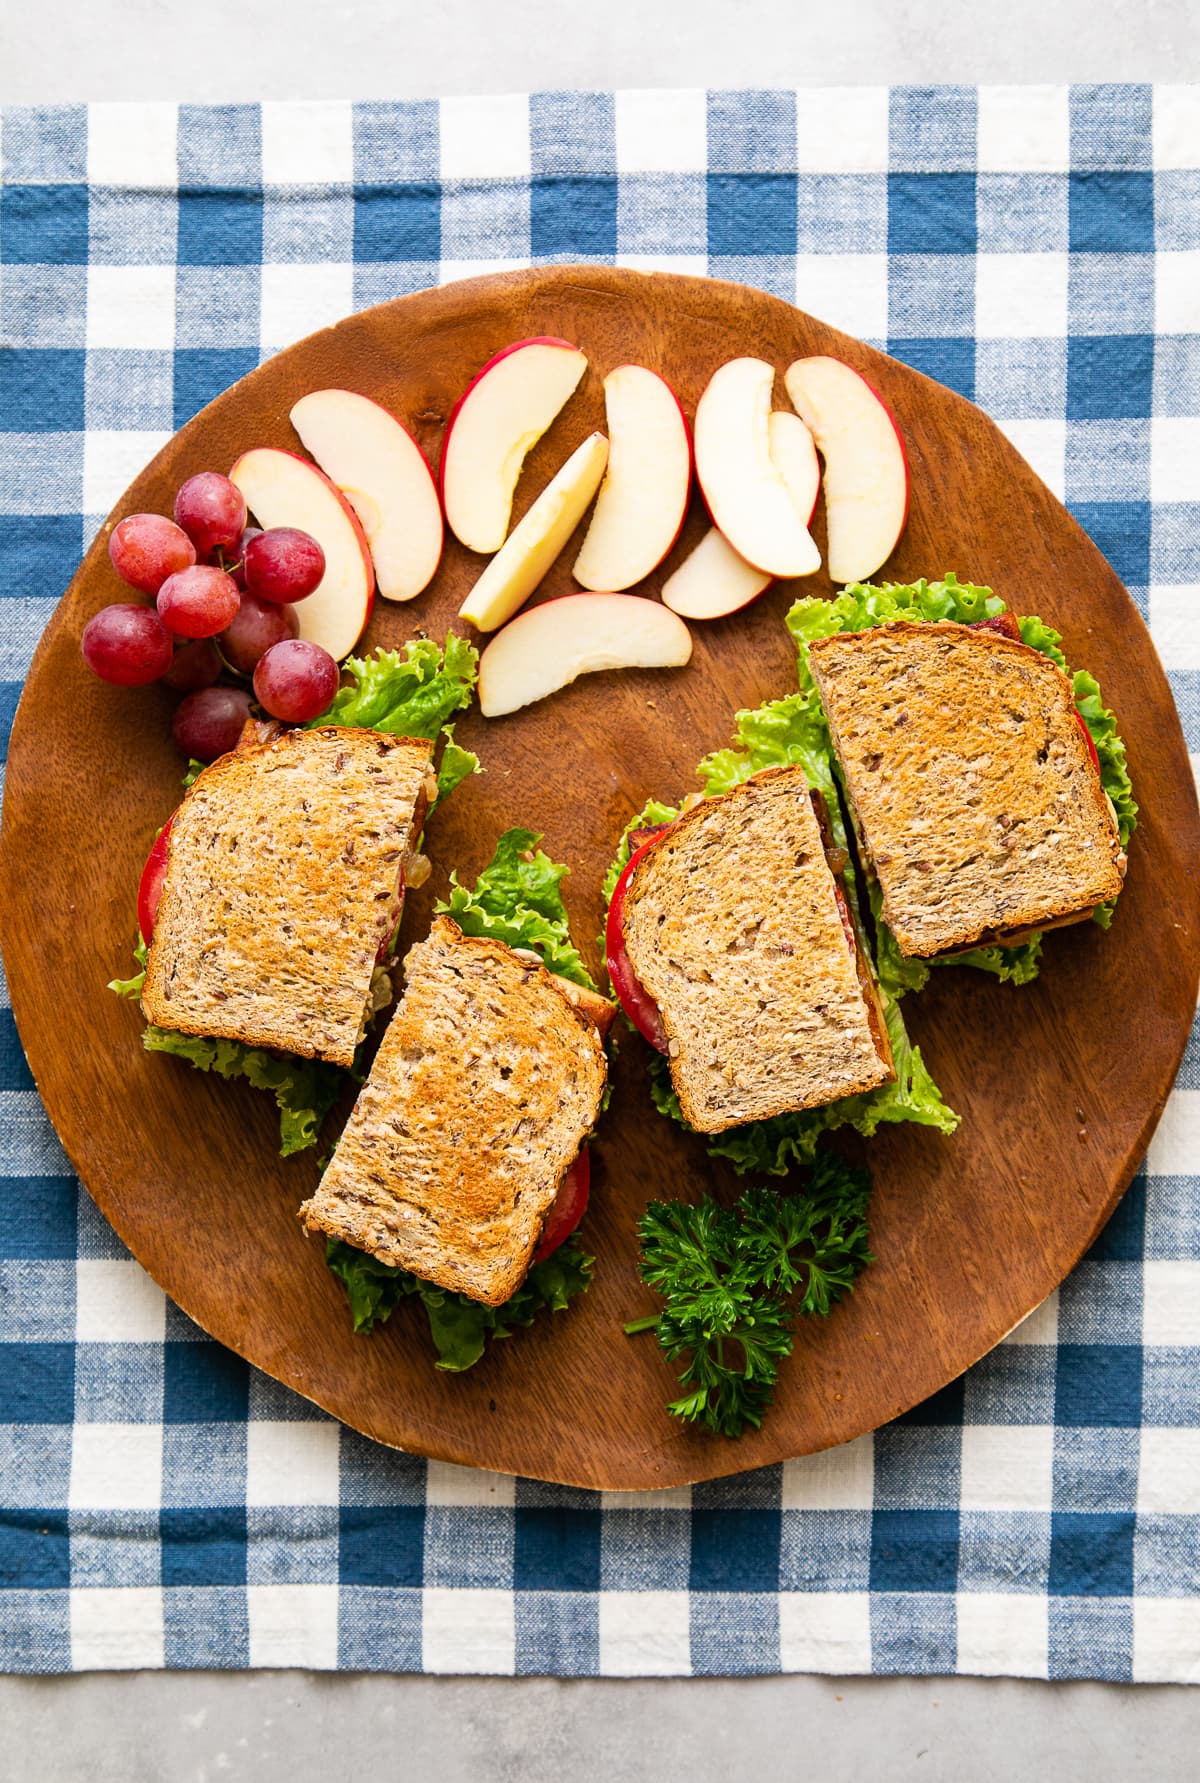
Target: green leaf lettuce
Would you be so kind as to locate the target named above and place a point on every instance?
(459, 1327)
(304, 1089)
(516, 899)
(412, 692)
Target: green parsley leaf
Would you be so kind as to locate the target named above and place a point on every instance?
(732, 1278)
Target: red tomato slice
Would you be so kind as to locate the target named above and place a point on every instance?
(634, 999)
(150, 888)
(1081, 721)
(568, 1208)
(1007, 624)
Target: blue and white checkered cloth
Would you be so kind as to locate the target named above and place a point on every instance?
(161, 1504)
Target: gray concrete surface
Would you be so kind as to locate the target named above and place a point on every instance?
(200, 1728)
(340, 49)
(212, 1728)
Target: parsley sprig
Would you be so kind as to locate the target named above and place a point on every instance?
(734, 1278)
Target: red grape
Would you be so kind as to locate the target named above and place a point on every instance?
(147, 548)
(238, 569)
(208, 723)
(126, 644)
(255, 627)
(295, 680)
(193, 666)
(212, 511)
(198, 603)
(283, 564)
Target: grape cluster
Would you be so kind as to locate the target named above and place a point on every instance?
(224, 605)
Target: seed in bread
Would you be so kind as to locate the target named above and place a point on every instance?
(484, 1087)
(971, 783)
(283, 880)
(732, 925)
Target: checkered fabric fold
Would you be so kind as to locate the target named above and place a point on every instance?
(1038, 249)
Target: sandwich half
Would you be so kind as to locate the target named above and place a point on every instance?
(486, 1084)
(971, 781)
(734, 923)
(283, 888)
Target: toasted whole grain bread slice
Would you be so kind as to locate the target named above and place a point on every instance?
(485, 1085)
(283, 879)
(971, 784)
(732, 924)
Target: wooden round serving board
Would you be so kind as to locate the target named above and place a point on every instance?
(1059, 1085)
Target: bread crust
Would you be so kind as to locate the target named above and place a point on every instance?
(487, 1081)
(282, 882)
(732, 924)
(970, 783)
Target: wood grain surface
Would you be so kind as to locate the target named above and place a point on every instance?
(1059, 1084)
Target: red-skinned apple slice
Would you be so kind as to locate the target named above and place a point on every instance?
(643, 500)
(503, 412)
(539, 537)
(866, 470)
(383, 473)
(632, 995)
(567, 1208)
(743, 487)
(284, 490)
(713, 580)
(550, 645)
(150, 887)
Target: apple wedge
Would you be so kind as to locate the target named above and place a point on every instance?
(713, 580)
(643, 499)
(744, 489)
(554, 643)
(535, 542)
(383, 473)
(794, 455)
(283, 490)
(866, 469)
(504, 411)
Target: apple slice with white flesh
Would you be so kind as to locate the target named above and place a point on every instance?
(743, 487)
(503, 412)
(383, 473)
(538, 538)
(713, 580)
(643, 499)
(283, 490)
(794, 455)
(866, 469)
(552, 644)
